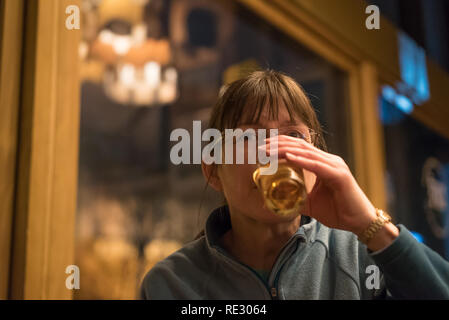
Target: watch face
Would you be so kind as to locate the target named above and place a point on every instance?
(385, 215)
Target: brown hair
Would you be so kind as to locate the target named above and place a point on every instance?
(243, 101)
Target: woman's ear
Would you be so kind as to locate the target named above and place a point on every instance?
(211, 175)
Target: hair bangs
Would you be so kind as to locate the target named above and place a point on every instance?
(263, 94)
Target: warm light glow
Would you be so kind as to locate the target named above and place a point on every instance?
(143, 94)
(139, 34)
(136, 67)
(83, 50)
(171, 75)
(127, 75)
(121, 44)
(106, 37)
(152, 74)
(167, 93)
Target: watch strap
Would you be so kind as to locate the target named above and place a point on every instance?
(375, 226)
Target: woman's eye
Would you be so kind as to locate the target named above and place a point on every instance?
(296, 134)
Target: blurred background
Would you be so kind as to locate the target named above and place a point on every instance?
(149, 68)
(87, 115)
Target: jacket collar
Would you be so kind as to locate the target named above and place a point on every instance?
(219, 222)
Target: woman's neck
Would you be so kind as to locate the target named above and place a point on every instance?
(257, 244)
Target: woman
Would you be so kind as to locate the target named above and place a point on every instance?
(330, 250)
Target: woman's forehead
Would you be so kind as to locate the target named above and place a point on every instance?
(282, 118)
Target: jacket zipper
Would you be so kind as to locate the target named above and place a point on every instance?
(260, 278)
(271, 290)
(224, 254)
(274, 291)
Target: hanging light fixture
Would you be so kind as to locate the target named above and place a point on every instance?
(138, 70)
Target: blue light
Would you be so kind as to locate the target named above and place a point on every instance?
(389, 94)
(389, 114)
(393, 106)
(422, 82)
(412, 61)
(404, 104)
(418, 236)
(407, 58)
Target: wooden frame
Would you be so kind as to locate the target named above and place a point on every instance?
(366, 131)
(39, 182)
(341, 24)
(336, 31)
(44, 219)
(11, 22)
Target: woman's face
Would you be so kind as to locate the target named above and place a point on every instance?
(236, 180)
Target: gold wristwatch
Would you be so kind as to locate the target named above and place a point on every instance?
(375, 226)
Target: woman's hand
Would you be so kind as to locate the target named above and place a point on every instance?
(336, 199)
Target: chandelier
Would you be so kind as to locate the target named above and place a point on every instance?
(135, 70)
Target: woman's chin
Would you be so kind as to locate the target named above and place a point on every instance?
(267, 215)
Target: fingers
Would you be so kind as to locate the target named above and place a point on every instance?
(299, 147)
(297, 141)
(303, 155)
(320, 168)
(298, 151)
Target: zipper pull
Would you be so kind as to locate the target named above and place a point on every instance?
(273, 292)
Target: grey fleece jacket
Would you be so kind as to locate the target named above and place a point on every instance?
(316, 263)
